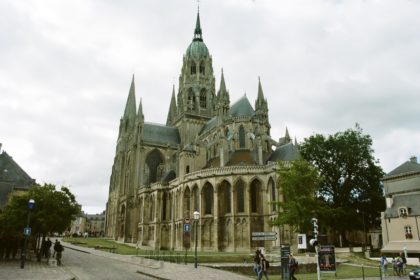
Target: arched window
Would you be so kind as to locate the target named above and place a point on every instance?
(208, 199)
(255, 196)
(241, 137)
(202, 68)
(164, 206)
(193, 68)
(187, 169)
(153, 161)
(272, 189)
(203, 99)
(240, 191)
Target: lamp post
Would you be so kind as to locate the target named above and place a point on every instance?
(26, 232)
(196, 215)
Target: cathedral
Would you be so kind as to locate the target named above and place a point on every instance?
(211, 157)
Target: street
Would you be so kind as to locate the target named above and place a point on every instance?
(86, 266)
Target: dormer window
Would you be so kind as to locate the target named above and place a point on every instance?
(402, 212)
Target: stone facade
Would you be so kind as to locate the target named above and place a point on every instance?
(210, 156)
(401, 218)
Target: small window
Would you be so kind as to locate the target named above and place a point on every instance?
(187, 170)
(408, 232)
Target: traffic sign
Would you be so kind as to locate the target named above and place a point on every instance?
(187, 227)
(266, 238)
(27, 231)
(267, 233)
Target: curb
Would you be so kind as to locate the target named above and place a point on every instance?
(82, 251)
(151, 275)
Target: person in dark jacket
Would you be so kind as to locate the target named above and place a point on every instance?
(59, 250)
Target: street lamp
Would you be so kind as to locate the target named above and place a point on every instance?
(196, 215)
(26, 232)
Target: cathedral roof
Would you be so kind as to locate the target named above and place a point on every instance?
(406, 168)
(285, 152)
(161, 134)
(242, 108)
(209, 125)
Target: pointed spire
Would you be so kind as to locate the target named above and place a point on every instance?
(172, 108)
(260, 91)
(260, 103)
(140, 115)
(222, 88)
(296, 142)
(130, 107)
(287, 136)
(198, 35)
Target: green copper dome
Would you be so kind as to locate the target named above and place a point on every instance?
(197, 49)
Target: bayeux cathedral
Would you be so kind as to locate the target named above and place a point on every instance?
(211, 157)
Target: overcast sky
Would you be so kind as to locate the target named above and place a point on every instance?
(66, 68)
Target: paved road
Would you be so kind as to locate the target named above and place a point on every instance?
(86, 266)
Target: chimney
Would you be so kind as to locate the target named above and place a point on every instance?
(413, 159)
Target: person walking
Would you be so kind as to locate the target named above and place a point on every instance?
(292, 267)
(257, 261)
(55, 247)
(384, 265)
(404, 261)
(263, 268)
(59, 249)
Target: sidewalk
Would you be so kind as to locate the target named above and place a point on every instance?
(164, 270)
(33, 270)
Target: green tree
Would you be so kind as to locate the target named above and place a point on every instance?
(298, 182)
(350, 178)
(53, 211)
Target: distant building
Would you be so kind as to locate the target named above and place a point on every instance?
(211, 156)
(12, 177)
(401, 219)
(93, 224)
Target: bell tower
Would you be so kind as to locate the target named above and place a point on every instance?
(196, 93)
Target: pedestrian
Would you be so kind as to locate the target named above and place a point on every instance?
(404, 261)
(59, 249)
(400, 265)
(48, 245)
(257, 261)
(384, 265)
(394, 266)
(55, 247)
(292, 267)
(263, 268)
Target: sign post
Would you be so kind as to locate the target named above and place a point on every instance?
(284, 254)
(264, 236)
(187, 239)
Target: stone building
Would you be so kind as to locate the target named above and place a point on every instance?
(12, 177)
(211, 156)
(401, 218)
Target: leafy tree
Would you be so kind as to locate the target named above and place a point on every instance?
(350, 178)
(53, 211)
(298, 182)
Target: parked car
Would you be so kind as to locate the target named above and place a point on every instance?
(414, 273)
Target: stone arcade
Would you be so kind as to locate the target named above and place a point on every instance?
(210, 157)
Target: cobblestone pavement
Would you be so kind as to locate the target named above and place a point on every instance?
(33, 270)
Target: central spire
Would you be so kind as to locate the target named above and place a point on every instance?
(198, 36)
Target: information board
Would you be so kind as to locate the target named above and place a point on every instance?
(326, 258)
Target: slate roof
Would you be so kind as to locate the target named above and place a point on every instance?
(12, 176)
(161, 134)
(285, 152)
(406, 168)
(242, 108)
(410, 200)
